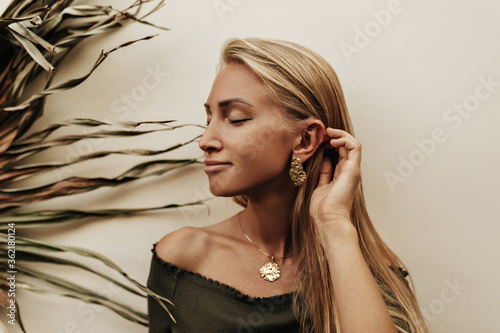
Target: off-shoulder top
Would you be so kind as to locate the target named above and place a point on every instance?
(203, 305)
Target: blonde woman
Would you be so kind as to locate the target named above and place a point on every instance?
(303, 255)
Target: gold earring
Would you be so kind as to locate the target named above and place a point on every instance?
(297, 173)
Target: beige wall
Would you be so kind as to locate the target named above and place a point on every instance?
(422, 82)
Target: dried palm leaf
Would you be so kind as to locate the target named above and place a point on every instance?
(29, 170)
(51, 217)
(35, 36)
(59, 26)
(14, 197)
(37, 249)
(37, 98)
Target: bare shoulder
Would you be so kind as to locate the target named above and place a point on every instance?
(182, 247)
(188, 247)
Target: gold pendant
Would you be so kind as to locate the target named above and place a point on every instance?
(270, 271)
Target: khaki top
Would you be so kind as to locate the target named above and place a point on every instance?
(204, 305)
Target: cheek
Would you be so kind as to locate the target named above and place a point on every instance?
(268, 142)
(269, 154)
(275, 136)
(248, 152)
(252, 147)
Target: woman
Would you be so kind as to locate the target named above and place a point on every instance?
(303, 255)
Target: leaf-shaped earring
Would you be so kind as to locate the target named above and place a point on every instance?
(297, 173)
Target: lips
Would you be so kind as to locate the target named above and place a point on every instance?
(214, 166)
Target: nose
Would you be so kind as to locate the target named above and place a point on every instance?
(210, 140)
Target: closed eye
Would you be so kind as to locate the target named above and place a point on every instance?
(237, 121)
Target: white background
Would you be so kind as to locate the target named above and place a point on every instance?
(401, 85)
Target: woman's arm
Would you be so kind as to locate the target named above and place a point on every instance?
(360, 304)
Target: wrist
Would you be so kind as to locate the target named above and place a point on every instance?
(340, 235)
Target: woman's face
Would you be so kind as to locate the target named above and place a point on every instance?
(248, 141)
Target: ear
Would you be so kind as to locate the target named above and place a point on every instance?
(312, 136)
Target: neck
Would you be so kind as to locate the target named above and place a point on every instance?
(267, 222)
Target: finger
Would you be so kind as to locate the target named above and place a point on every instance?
(332, 133)
(345, 143)
(336, 133)
(327, 144)
(341, 136)
(347, 146)
(325, 174)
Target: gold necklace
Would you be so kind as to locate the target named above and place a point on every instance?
(269, 271)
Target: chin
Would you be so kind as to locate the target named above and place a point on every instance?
(229, 187)
(222, 191)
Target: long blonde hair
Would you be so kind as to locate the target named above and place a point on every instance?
(306, 86)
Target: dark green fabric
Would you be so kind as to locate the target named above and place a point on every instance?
(204, 305)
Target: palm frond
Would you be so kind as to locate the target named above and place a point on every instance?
(52, 217)
(34, 40)
(40, 247)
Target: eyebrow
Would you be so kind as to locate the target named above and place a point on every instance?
(229, 102)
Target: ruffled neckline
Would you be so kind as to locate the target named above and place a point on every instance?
(229, 291)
